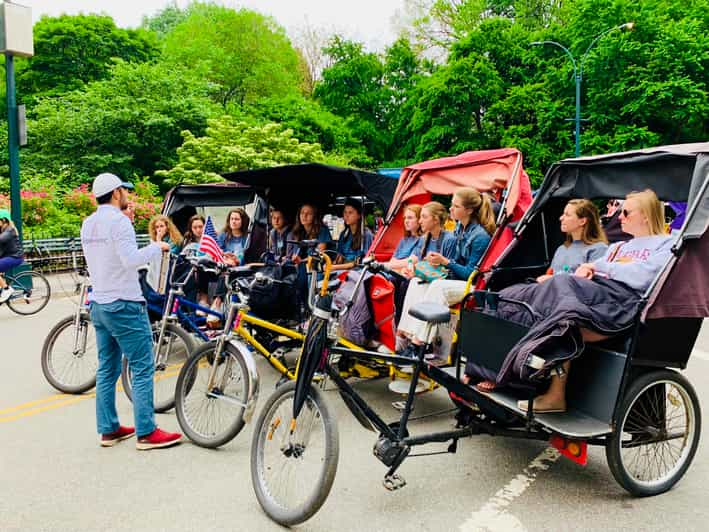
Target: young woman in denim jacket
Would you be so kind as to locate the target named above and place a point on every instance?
(475, 224)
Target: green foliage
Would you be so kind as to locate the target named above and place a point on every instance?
(71, 50)
(312, 123)
(245, 55)
(230, 145)
(165, 20)
(129, 124)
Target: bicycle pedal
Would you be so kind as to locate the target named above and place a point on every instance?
(393, 482)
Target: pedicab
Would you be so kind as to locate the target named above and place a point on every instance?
(499, 173)
(624, 393)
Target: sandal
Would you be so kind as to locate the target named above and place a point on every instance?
(522, 405)
(486, 386)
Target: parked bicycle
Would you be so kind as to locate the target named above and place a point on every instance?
(69, 354)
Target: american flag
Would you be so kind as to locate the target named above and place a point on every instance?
(208, 244)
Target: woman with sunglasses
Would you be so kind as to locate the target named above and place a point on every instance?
(633, 265)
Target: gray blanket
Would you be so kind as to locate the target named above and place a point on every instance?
(562, 305)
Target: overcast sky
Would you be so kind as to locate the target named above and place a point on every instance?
(369, 21)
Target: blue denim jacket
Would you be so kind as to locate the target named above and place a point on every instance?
(470, 244)
(444, 244)
(344, 245)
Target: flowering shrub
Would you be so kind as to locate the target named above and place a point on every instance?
(48, 213)
(80, 201)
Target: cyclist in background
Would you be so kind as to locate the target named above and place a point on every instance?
(11, 254)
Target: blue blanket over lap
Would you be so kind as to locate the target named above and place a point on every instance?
(563, 305)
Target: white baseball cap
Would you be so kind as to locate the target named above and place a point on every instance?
(105, 183)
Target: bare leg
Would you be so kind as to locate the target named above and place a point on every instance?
(555, 396)
(3, 284)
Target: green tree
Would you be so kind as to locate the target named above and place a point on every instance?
(230, 145)
(165, 20)
(312, 123)
(129, 124)
(71, 50)
(245, 55)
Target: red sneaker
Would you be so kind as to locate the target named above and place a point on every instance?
(109, 440)
(157, 439)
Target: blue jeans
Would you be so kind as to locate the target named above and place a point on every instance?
(122, 327)
(8, 263)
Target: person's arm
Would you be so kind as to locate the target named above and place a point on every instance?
(477, 248)
(637, 274)
(6, 237)
(123, 236)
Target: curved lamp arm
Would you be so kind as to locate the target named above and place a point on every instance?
(628, 25)
(554, 43)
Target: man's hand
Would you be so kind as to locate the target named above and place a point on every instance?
(585, 271)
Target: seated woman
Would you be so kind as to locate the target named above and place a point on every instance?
(475, 224)
(602, 295)
(190, 248)
(412, 232)
(233, 237)
(278, 236)
(352, 243)
(161, 229)
(308, 226)
(11, 254)
(585, 239)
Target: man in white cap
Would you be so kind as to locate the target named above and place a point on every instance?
(119, 315)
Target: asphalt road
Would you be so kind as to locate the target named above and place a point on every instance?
(54, 475)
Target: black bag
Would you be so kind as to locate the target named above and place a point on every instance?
(274, 300)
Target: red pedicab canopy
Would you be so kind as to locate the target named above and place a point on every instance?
(498, 172)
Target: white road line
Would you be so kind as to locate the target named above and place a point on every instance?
(493, 516)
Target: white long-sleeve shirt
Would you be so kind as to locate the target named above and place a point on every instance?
(112, 255)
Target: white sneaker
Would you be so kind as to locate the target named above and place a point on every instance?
(6, 293)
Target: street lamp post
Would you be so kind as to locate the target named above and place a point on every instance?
(578, 72)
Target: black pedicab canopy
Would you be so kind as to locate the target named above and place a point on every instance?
(676, 173)
(316, 183)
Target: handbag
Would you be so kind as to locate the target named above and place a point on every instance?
(427, 272)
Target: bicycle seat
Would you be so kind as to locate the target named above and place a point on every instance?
(430, 312)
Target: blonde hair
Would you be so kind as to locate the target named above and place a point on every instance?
(416, 209)
(437, 210)
(652, 208)
(592, 231)
(480, 205)
(172, 231)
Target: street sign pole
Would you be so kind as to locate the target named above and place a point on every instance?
(13, 144)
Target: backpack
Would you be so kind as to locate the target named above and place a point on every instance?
(275, 300)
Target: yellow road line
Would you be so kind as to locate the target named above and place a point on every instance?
(33, 403)
(52, 406)
(59, 400)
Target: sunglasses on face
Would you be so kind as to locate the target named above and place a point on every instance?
(626, 213)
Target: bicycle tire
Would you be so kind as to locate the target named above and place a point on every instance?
(272, 420)
(654, 404)
(85, 363)
(163, 394)
(40, 288)
(207, 433)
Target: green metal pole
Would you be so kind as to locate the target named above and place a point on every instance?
(578, 114)
(13, 145)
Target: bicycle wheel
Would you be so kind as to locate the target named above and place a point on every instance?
(173, 353)
(212, 414)
(70, 356)
(656, 433)
(32, 293)
(292, 470)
